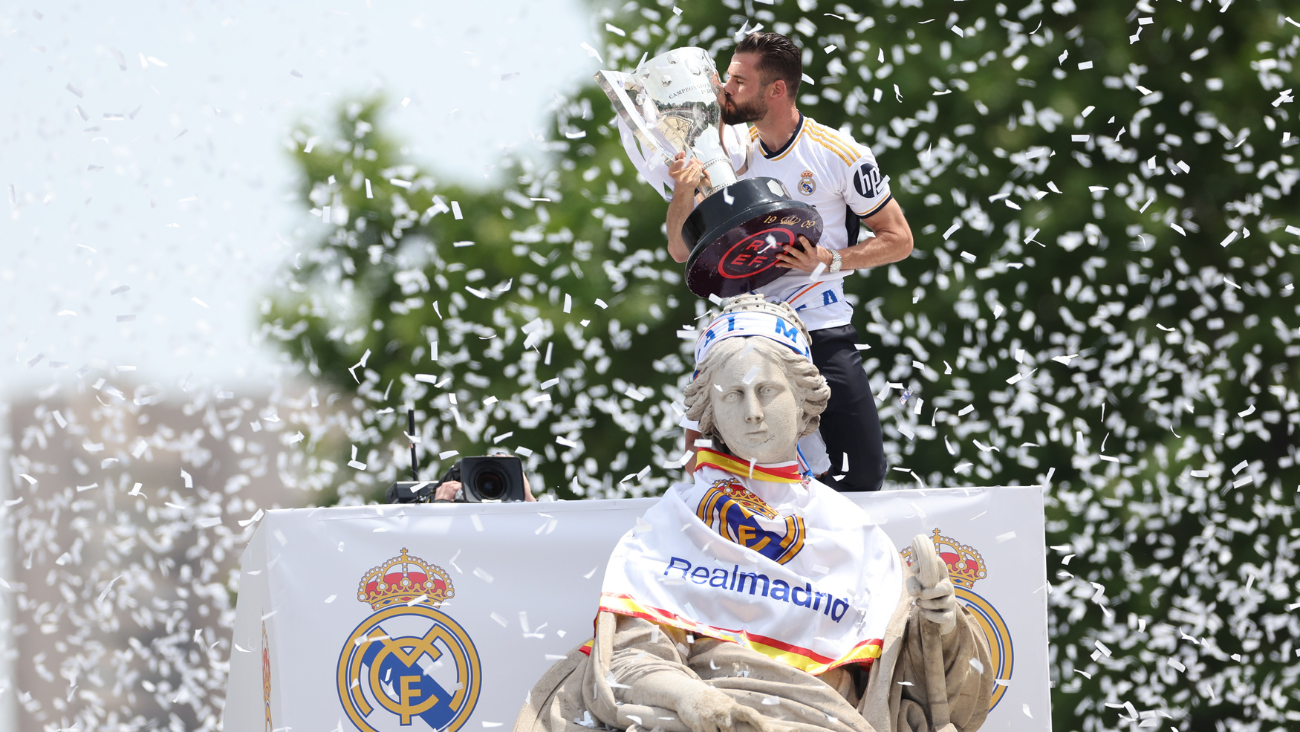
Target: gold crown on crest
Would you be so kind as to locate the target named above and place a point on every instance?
(741, 495)
(965, 565)
(406, 580)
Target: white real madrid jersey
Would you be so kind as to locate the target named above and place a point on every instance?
(827, 169)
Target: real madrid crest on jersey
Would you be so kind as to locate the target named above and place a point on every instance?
(965, 568)
(408, 665)
(807, 185)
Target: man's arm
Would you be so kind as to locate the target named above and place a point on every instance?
(686, 175)
(892, 243)
(691, 437)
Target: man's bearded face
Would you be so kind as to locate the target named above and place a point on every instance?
(735, 112)
(743, 98)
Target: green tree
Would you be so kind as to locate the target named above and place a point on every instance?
(1101, 301)
(507, 316)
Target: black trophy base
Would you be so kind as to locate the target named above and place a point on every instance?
(734, 244)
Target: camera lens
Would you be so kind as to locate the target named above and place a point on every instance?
(490, 484)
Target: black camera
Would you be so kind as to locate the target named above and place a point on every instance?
(489, 478)
(486, 479)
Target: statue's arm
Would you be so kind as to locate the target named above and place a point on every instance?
(966, 668)
(648, 665)
(945, 655)
(642, 648)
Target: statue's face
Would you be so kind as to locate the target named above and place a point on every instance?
(759, 420)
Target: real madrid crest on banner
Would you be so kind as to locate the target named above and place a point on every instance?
(408, 665)
(965, 568)
(266, 677)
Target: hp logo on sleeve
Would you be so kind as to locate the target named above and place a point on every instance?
(866, 180)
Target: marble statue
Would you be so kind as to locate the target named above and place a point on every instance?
(757, 598)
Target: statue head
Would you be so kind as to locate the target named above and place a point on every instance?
(756, 390)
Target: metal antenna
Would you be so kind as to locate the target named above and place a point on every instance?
(410, 432)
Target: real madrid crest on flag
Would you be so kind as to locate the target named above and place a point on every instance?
(408, 664)
(739, 515)
(965, 568)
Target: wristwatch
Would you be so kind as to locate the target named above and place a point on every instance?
(836, 262)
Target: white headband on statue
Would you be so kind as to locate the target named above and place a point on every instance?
(752, 323)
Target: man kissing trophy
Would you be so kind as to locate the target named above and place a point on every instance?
(669, 104)
(691, 136)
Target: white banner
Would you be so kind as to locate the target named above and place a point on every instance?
(386, 618)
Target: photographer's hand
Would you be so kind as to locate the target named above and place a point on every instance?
(447, 491)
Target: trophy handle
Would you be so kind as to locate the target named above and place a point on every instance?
(612, 83)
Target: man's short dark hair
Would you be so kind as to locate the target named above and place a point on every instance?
(778, 58)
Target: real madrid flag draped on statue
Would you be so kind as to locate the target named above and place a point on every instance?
(753, 555)
(755, 594)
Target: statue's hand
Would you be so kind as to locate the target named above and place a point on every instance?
(929, 583)
(709, 710)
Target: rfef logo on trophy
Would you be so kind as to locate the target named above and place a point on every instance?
(408, 663)
(965, 568)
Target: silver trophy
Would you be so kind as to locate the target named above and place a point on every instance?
(671, 104)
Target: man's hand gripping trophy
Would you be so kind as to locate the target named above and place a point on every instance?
(687, 174)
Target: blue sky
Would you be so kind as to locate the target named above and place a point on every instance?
(170, 177)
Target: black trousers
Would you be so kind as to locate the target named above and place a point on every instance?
(850, 425)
